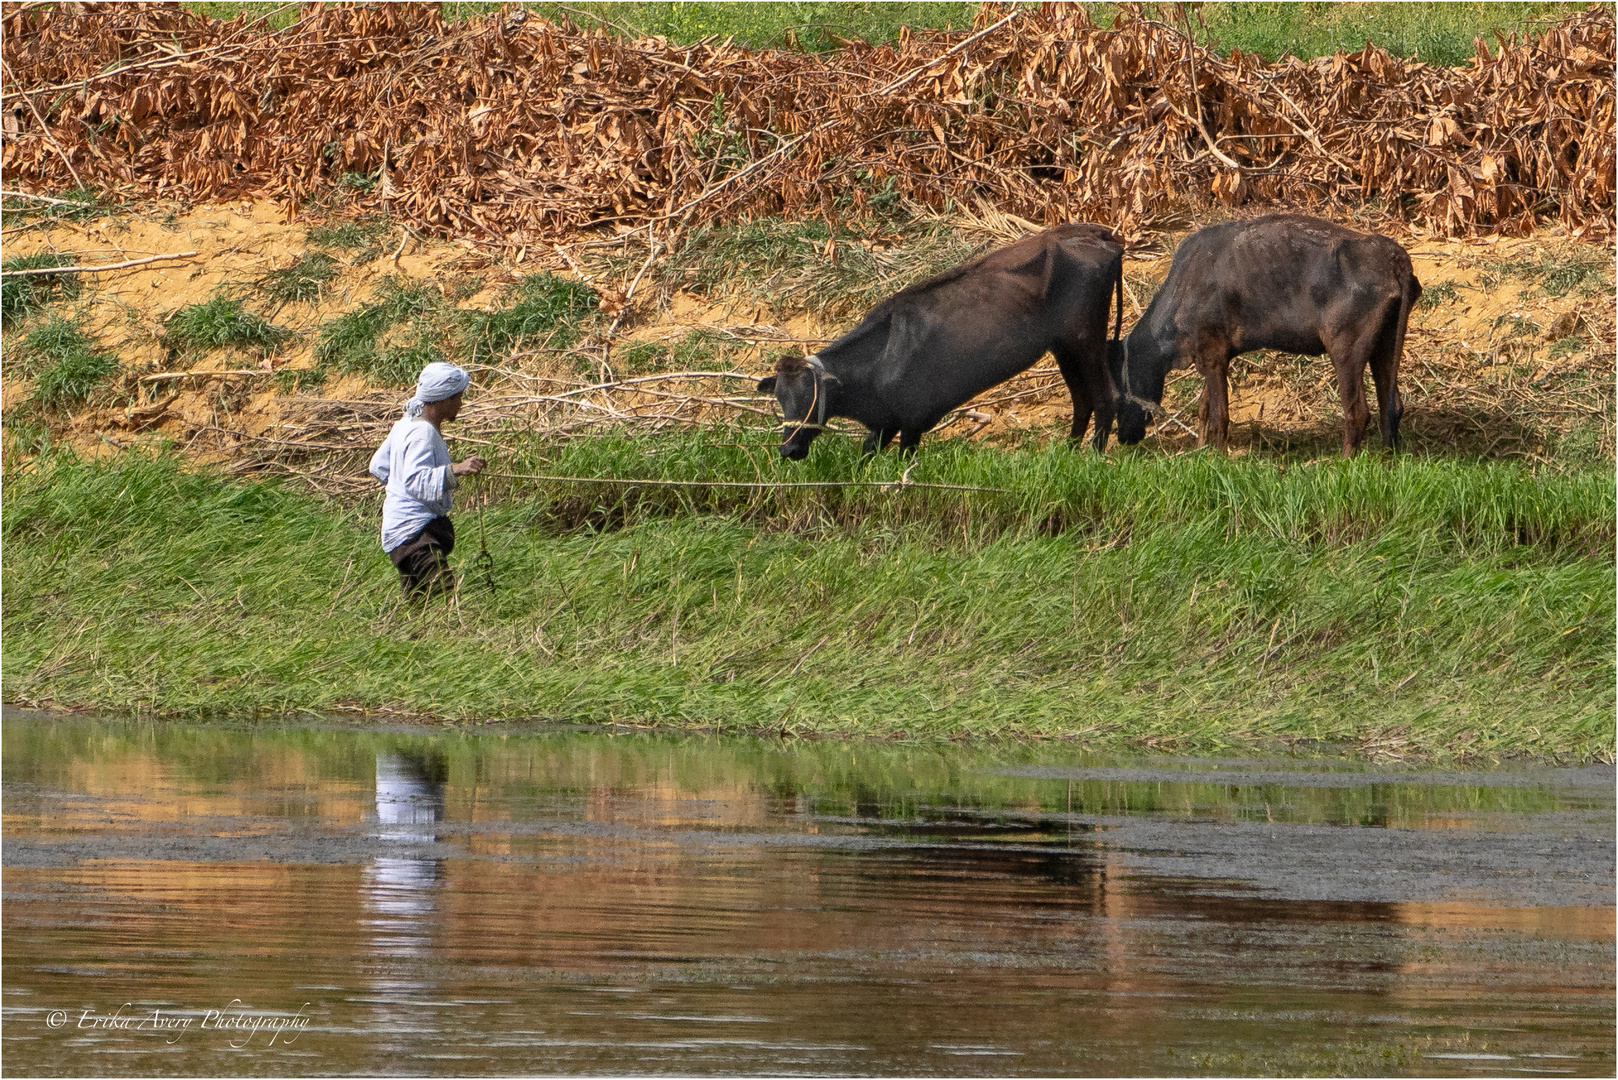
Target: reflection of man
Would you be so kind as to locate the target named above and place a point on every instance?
(409, 791)
(399, 887)
(415, 465)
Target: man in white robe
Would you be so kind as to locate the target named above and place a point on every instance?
(415, 465)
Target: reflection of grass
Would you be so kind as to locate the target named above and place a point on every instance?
(1190, 601)
(892, 785)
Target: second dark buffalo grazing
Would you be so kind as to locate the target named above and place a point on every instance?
(1285, 282)
(933, 346)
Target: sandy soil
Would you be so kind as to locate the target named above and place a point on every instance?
(1487, 341)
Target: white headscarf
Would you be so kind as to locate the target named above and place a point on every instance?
(438, 381)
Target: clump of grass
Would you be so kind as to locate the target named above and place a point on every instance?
(303, 280)
(23, 295)
(1567, 346)
(353, 342)
(221, 322)
(297, 380)
(362, 237)
(540, 308)
(27, 432)
(786, 263)
(1561, 273)
(65, 363)
(1516, 325)
(700, 348)
(1442, 292)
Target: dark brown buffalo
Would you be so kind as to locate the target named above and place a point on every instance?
(1285, 282)
(933, 346)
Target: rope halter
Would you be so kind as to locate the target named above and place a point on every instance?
(1152, 408)
(817, 404)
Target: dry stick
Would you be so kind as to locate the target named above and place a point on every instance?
(754, 485)
(45, 128)
(164, 376)
(42, 198)
(97, 269)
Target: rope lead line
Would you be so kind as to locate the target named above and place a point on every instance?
(483, 562)
(900, 484)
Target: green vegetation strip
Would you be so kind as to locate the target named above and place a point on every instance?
(1430, 607)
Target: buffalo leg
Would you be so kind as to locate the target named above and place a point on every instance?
(1350, 364)
(1079, 390)
(877, 440)
(1214, 418)
(1091, 391)
(1385, 373)
(908, 440)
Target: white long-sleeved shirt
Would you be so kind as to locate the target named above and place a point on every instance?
(414, 463)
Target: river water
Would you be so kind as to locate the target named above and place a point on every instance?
(227, 900)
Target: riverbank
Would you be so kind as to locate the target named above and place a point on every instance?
(1412, 606)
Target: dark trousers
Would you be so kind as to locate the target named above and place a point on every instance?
(423, 560)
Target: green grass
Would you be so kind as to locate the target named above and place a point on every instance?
(1439, 33)
(362, 236)
(358, 342)
(1196, 602)
(540, 309)
(219, 323)
(304, 280)
(65, 363)
(1579, 269)
(75, 204)
(784, 263)
(20, 297)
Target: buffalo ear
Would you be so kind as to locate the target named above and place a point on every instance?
(766, 385)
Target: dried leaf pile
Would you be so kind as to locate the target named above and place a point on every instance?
(516, 132)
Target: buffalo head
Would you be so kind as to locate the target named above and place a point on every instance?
(803, 388)
(1139, 382)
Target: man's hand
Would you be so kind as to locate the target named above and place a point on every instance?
(469, 467)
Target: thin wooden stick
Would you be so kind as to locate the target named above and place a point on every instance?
(98, 269)
(42, 198)
(164, 376)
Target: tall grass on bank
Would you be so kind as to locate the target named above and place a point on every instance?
(1050, 489)
(1215, 602)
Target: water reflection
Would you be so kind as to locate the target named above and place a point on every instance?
(575, 903)
(399, 890)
